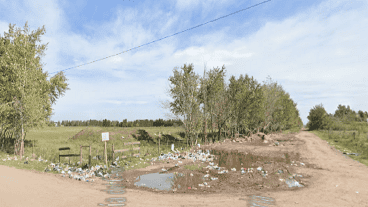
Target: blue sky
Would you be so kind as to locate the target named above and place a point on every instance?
(315, 49)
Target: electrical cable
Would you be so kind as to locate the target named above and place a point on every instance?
(167, 36)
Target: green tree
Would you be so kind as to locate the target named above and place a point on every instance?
(26, 95)
(212, 91)
(272, 93)
(184, 92)
(247, 99)
(318, 118)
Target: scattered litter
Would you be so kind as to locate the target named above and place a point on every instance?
(293, 183)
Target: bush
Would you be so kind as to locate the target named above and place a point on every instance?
(318, 118)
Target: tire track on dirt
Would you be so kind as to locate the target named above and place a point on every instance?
(338, 182)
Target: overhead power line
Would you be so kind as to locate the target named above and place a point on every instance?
(167, 36)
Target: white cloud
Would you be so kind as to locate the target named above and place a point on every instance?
(320, 52)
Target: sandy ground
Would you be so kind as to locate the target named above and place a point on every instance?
(336, 181)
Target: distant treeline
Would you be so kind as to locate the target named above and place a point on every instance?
(124, 123)
(320, 119)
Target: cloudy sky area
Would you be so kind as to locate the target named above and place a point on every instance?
(315, 49)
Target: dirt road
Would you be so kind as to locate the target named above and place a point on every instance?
(338, 181)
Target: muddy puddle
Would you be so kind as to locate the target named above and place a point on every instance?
(227, 171)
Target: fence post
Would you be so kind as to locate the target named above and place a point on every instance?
(90, 156)
(80, 154)
(113, 153)
(106, 155)
(97, 153)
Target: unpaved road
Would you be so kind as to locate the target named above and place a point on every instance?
(341, 182)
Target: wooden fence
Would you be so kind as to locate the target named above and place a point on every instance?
(76, 155)
(126, 150)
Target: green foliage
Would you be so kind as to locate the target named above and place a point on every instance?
(246, 98)
(318, 118)
(348, 115)
(185, 91)
(26, 95)
(272, 93)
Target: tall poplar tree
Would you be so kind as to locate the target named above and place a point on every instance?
(184, 90)
(26, 95)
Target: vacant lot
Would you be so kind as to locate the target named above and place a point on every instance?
(329, 178)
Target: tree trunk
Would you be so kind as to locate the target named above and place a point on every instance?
(219, 132)
(205, 131)
(22, 144)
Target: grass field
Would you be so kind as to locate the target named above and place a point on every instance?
(345, 142)
(50, 139)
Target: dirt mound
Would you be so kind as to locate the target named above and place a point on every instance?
(81, 133)
(255, 138)
(91, 132)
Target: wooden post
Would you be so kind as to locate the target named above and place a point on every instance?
(80, 154)
(113, 154)
(159, 146)
(105, 155)
(90, 156)
(97, 154)
(68, 157)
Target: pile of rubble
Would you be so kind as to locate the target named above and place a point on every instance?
(259, 137)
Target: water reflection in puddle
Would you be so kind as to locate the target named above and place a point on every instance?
(156, 180)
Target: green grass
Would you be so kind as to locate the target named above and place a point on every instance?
(292, 130)
(345, 142)
(50, 139)
(193, 167)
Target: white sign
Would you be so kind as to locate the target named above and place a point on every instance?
(105, 136)
(172, 147)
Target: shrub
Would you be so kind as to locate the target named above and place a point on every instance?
(318, 118)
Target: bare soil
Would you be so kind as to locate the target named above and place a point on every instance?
(329, 179)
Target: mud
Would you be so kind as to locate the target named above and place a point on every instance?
(277, 165)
